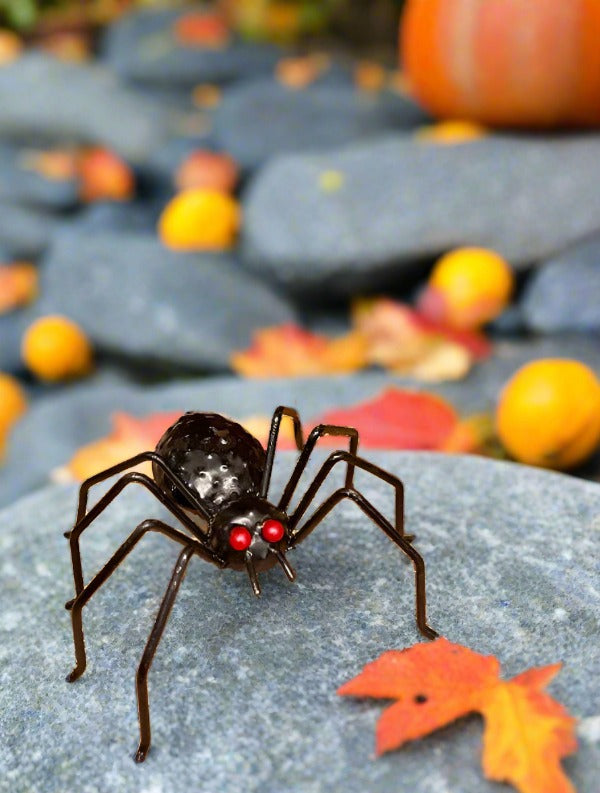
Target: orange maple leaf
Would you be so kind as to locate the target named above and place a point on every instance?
(526, 731)
(18, 285)
(129, 437)
(290, 351)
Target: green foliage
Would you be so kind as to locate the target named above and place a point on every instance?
(19, 14)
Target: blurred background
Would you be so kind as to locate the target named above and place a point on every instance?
(385, 214)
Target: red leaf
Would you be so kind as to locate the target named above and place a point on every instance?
(398, 419)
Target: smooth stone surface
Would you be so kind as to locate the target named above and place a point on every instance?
(57, 424)
(20, 182)
(260, 119)
(12, 327)
(25, 231)
(402, 202)
(43, 99)
(564, 294)
(135, 297)
(142, 47)
(135, 217)
(243, 690)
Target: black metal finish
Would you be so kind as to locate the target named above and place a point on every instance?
(209, 469)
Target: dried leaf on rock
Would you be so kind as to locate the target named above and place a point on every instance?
(527, 733)
(398, 419)
(18, 285)
(201, 29)
(129, 437)
(290, 351)
(404, 342)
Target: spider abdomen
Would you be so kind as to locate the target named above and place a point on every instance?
(214, 456)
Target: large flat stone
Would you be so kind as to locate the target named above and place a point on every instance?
(142, 47)
(243, 691)
(44, 99)
(564, 294)
(400, 202)
(21, 182)
(260, 119)
(25, 231)
(136, 298)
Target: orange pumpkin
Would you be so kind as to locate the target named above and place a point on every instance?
(505, 62)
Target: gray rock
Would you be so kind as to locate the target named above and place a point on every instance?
(564, 294)
(511, 571)
(141, 47)
(25, 231)
(60, 422)
(260, 119)
(12, 327)
(402, 202)
(137, 298)
(20, 183)
(136, 217)
(44, 99)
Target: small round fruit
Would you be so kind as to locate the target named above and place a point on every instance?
(13, 404)
(548, 413)
(55, 349)
(200, 219)
(467, 288)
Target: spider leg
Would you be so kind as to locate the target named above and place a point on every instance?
(319, 431)
(379, 520)
(356, 462)
(129, 478)
(278, 415)
(141, 681)
(76, 605)
(132, 462)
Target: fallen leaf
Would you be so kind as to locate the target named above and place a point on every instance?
(54, 164)
(527, 733)
(475, 434)
(11, 46)
(299, 72)
(68, 46)
(207, 95)
(450, 133)
(201, 29)
(290, 351)
(398, 419)
(18, 285)
(129, 437)
(370, 76)
(403, 341)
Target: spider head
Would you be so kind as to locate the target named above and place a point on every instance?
(250, 530)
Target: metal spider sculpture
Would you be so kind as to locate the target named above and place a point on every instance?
(213, 476)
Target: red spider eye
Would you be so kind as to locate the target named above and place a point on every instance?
(240, 538)
(272, 531)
